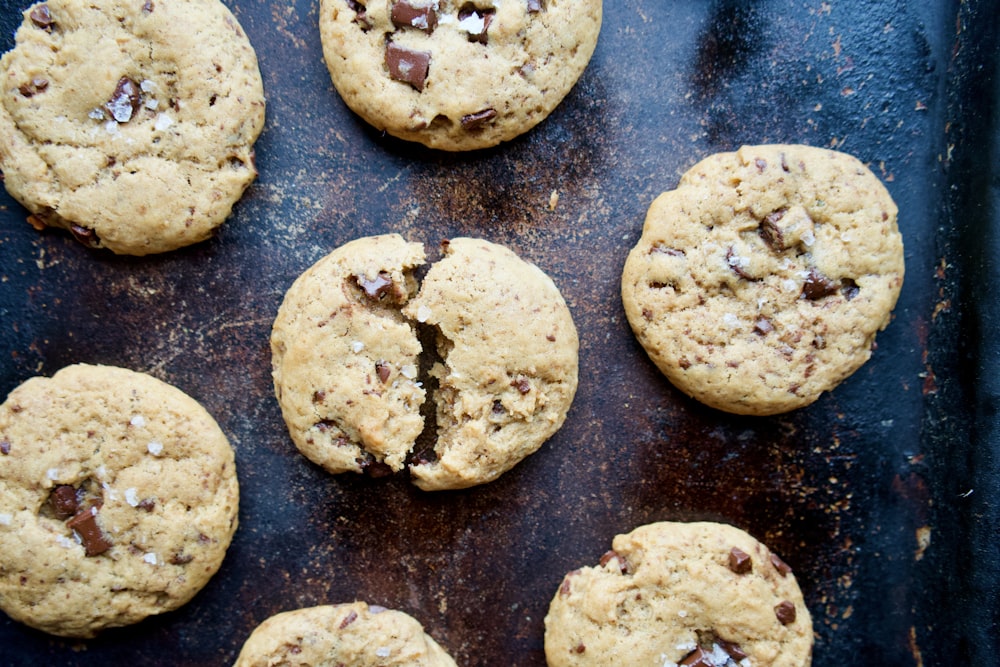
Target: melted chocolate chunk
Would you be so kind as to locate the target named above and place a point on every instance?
(474, 121)
(84, 524)
(849, 289)
(614, 556)
(33, 87)
(771, 233)
(781, 566)
(383, 370)
(733, 649)
(377, 287)
(42, 17)
(125, 101)
(739, 561)
(476, 22)
(817, 286)
(419, 14)
(697, 658)
(350, 618)
(84, 235)
(65, 501)
(407, 65)
(785, 611)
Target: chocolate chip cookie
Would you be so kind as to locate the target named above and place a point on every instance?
(118, 499)
(345, 634)
(668, 594)
(351, 374)
(130, 123)
(762, 280)
(457, 75)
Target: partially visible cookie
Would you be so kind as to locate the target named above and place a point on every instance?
(118, 499)
(350, 372)
(700, 594)
(457, 75)
(762, 280)
(353, 634)
(130, 123)
(509, 362)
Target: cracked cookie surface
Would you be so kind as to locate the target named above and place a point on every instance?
(350, 370)
(118, 499)
(355, 634)
(130, 123)
(454, 74)
(667, 594)
(762, 280)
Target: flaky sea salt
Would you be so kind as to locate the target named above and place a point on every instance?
(382, 652)
(6, 519)
(155, 448)
(65, 542)
(730, 320)
(162, 122)
(357, 346)
(409, 371)
(147, 86)
(52, 473)
(132, 496)
(150, 558)
(423, 313)
(138, 421)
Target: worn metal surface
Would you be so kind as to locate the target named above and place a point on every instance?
(883, 495)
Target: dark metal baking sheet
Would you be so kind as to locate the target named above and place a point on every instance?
(882, 495)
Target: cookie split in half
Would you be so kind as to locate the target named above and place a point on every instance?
(457, 75)
(670, 594)
(762, 279)
(342, 634)
(118, 499)
(130, 124)
(351, 374)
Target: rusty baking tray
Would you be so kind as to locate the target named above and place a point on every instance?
(883, 495)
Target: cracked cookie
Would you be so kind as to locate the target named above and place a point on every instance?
(669, 594)
(762, 280)
(351, 374)
(130, 123)
(457, 74)
(118, 499)
(354, 634)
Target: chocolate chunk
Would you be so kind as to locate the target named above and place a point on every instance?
(125, 101)
(33, 87)
(65, 501)
(181, 559)
(498, 408)
(147, 504)
(420, 14)
(739, 561)
(761, 164)
(373, 468)
(407, 65)
(771, 233)
(697, 658)
(377, 287)
(781, 566)
(476, 22)
(4, 447)
(84, 235)
(817, 286)
(148, 6)
(474, 121)
(42, 17)
(423, 457)
(383, 370)
(85, 525)
(350, 618)
(361, 15)
(763, 326)
(580, 648)
(614, 556)
(523, 385)
(673, 252)
(785, 611)
(733, 649)
(534, 6)
(849, 288)
(738, 264)
(319, 396)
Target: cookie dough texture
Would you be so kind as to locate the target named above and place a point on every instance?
(762, 280)
(351, 374)
(353, 634)
(669, 593)
(456, 75)
(118, 499)
(131, 123)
